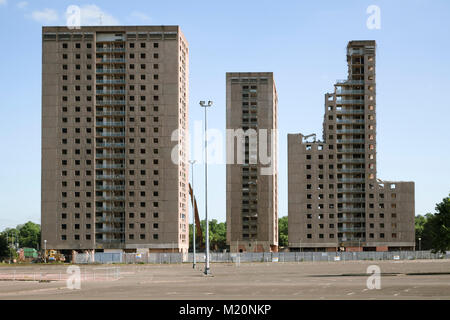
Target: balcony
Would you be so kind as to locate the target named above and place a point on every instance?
(357, 170)
(348, 219)
(110, 188)
(346, 160)
(109, 50)
(351, 179)
(110, 230)
(353, 121)
(350, 150)
(349, 92)
(109, 102)
(111, 134)
(110, 81)
(110, 209)
(356, 52)
(110, 198)
(358, 210)
(349, 111)
(110, 145)
(349, 82)
(110, 113)
(110, 155)
(110, 91)
(117, 60)
(344, 131)
(352, 240)
(110, 124)
(354, 229)
(110, 166)
(350, 141)
(350, 190)
(110, 220)
(109, 71)
(351, 200)
(349, 101)
(110, 177)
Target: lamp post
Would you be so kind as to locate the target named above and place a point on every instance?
(205, 105)
(192, 162)
(45, 251)
(14, 238)
(420, 247)
(9, 236)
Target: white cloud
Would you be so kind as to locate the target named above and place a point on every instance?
(93, 15)
(137, 16)
(22, 4)
(89, 15)
(45, 16)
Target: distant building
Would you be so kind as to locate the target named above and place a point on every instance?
(334, 197)
(112, 97)
(252, 189)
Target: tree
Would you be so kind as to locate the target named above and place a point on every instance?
(217, 234)
(4, 250)
(419, 226)
(437, 228)
(283, 232)
(29, 235)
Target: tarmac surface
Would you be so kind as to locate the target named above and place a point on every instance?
(401, 280)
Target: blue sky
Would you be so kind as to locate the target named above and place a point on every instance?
(302, 42)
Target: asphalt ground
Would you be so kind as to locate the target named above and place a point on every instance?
(402, 280)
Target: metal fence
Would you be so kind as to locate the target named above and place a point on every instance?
(58, 273)
(167, 258)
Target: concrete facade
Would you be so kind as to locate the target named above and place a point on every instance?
(252, 188)
(113, 99)
(335, 201)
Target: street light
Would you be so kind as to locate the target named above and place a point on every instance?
(14, 237)
(420, 244)
(192, 162)
(206, 106)
(45, 251)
